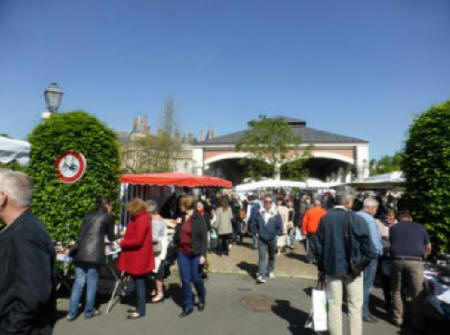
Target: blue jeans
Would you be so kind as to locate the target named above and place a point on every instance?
(189, 268)
(255, 240)
(292, 234)
(139, 287)
(368, 279)
(84, 272)
(266, 248)
(311, 248)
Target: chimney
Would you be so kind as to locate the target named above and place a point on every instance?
(134, 124)
(213, 133)
(202, 135)
(144, 124)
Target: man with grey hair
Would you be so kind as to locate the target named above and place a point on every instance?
(370, 207)
(27, 274)
(341, 230)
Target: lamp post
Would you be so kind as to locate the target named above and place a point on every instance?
(53, 96)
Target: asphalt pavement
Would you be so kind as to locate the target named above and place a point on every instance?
(235, 304)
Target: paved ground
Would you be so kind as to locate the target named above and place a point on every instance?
(235, 304)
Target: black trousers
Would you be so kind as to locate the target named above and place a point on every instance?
(223, 243)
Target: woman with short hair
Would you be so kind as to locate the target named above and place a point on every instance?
(190, 239)
(160, 243)
(137, 258)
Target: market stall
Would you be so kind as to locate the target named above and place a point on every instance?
(385, 181)
(309, 184)
(159, 186)
(14, 150)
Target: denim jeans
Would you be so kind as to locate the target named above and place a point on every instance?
(189, 268)
(292, 234)
(255, 240)
(368, 279)
(269, 248)
(311, 248)
(139, 288)
(84, 272)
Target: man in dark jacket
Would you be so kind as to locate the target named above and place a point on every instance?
(333, 261)
(89, 255)
(27, 273)
(268, 226)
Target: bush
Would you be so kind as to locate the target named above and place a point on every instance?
(59, 205)
(426, 164)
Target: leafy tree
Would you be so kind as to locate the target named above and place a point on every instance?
(256, 168)
(386, 164)
(269, 140)
(59, 205)
(426, 164)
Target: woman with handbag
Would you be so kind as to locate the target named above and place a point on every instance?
(160, 244)
(190, 238)
(137, 258)
(88, 254)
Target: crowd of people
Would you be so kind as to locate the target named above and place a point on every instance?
(349, 237)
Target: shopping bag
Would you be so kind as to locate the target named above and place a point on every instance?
(319, 311)
(298, 235)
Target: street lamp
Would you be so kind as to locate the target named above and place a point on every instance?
(53, 96)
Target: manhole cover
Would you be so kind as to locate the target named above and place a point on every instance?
(259, 303)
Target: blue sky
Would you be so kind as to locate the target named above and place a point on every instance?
(357, 68)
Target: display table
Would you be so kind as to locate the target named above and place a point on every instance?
(439, 292)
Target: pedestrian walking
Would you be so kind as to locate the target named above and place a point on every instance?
(27, 269)
(268, 226)
(343, 239)
(224, 226)
(190, 239)
(370, 207)
(88, 254)
(160, 244)
(137, 258)
(310, 224)
(283, 239)
(410, 244)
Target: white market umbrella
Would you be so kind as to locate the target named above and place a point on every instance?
(11, 150)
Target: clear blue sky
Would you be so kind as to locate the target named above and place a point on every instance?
(358, 68)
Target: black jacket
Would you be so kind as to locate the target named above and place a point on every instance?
(91, 240)
(27, 278)
(199, 244)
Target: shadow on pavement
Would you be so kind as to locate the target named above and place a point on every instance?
(176, 293)
(294, 316)
(251, 269)
(296, 256)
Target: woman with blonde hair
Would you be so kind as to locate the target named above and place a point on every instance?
(137, 258)
(190, 239)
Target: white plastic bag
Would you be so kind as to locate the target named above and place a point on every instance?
(318, 319)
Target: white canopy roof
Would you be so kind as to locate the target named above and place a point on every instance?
(11, 150)
(391, 177)
(273, 183)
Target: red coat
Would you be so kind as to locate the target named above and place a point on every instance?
(137, 257)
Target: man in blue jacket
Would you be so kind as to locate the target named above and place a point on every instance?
(333, 261)
(268, 225)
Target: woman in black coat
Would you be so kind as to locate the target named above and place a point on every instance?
(88, 255)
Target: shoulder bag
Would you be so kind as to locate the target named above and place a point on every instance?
(354, 268)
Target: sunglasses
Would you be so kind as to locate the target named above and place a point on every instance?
(268, 201)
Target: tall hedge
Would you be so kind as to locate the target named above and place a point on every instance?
(426, 164)
(59, 205)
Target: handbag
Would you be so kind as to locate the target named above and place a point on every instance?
(318, 318)
(354, 268)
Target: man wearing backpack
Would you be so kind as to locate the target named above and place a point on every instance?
(343, 239)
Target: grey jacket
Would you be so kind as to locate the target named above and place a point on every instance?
(223, 221)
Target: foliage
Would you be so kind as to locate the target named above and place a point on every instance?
(59, 205)
(14, 166)
(269, 140)
(154, 153)
(295, 170)
(255, 168)
(426, 164)
(386, 164)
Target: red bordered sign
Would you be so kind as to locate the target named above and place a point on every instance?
(70, 166)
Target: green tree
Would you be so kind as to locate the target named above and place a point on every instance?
(386, 164)
(152, 153)
(269, 140)
(62, 206)
(426, 164)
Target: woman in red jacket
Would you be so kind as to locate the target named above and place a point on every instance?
(137, 258)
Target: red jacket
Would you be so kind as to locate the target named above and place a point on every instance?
(137, 257)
